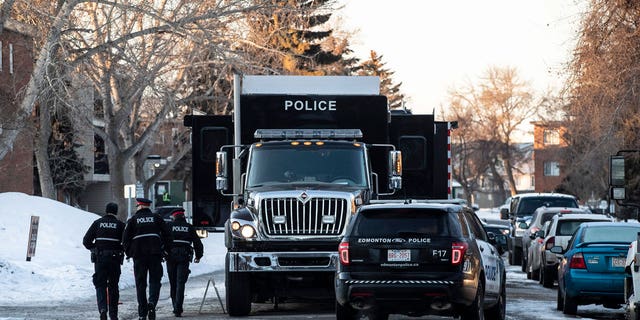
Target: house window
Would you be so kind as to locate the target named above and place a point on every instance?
(551, 137)
(10, 58)
(551, 168)
(533, 181)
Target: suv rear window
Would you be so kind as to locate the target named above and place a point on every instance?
(568, 227)
(529, 205)
(401, 222)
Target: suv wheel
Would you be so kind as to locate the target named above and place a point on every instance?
(499, 310)
(515, 257)
(476, 310)
(559, 301)
(547, 277)
(344, 312)
(523, 263)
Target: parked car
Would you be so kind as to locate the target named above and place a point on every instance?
(535, 247)
(521, 209)
(501, 232)
(561, 227)
(592, 269)
(539, 217)
(418, 259)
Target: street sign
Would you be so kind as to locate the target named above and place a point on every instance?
(33, 237)
(129, 191)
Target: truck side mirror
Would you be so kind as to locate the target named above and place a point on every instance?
(504, 214)
(395, 170)
(616, 177)
(222, 183)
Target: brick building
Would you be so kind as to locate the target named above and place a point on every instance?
(16, 66)
(548, 143)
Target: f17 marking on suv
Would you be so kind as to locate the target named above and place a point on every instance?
(439, 253)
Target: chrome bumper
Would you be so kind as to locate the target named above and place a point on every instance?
(275, 261)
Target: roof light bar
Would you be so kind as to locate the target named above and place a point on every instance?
(308, 134)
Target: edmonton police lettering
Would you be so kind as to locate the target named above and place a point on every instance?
(108, 225)
(300, 105)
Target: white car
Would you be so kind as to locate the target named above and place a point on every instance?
(561, 228)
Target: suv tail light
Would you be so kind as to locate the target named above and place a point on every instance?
(458, 250)
(550, 243)
(577, 261)
(343, 251)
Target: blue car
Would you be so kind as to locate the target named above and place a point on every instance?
(592, 267)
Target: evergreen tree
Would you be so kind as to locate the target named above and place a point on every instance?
(375, 67)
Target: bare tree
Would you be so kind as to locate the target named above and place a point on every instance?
(494, 109)
(602, 111)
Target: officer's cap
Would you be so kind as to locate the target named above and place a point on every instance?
(143, 202)
(177, 212)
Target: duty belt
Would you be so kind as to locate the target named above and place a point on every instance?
(146, 235)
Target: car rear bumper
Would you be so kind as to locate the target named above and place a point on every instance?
(414, 297)
(594, 287)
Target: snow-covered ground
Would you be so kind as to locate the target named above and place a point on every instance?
(61, 269)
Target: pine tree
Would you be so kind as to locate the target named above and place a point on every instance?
(297, 40)
(375, 67)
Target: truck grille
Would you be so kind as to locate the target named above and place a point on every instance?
(315, 217)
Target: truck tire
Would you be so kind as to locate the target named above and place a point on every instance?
(238, 288)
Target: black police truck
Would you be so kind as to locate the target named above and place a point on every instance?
(293, 164)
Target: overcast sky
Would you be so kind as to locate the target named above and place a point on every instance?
(433, 46)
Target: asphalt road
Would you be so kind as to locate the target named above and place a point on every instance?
(526, 299)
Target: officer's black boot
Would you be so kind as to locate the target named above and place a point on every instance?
(103, 315)
(152, 312)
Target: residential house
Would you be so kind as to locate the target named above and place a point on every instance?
(548, 144)
(16, 66)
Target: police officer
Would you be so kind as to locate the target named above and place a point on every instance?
(146, 238)
(184, 234)
(103, 239)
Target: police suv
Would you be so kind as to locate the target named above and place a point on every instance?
(417, 259)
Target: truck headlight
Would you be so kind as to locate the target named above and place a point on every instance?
(247, 231)
(235, 226)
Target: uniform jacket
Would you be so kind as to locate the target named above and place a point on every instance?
(104, 234)
(146, 233)
(184, 234)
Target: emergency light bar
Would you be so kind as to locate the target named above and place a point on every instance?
(308, 134)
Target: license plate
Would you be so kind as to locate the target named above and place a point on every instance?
(399, 255)
(618, 261)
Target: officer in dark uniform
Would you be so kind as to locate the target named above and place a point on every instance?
(146, 238)
(103, 239)
(184, 235)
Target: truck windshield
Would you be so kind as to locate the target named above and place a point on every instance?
(284, 163)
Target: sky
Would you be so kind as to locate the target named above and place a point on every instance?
(434, 46)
